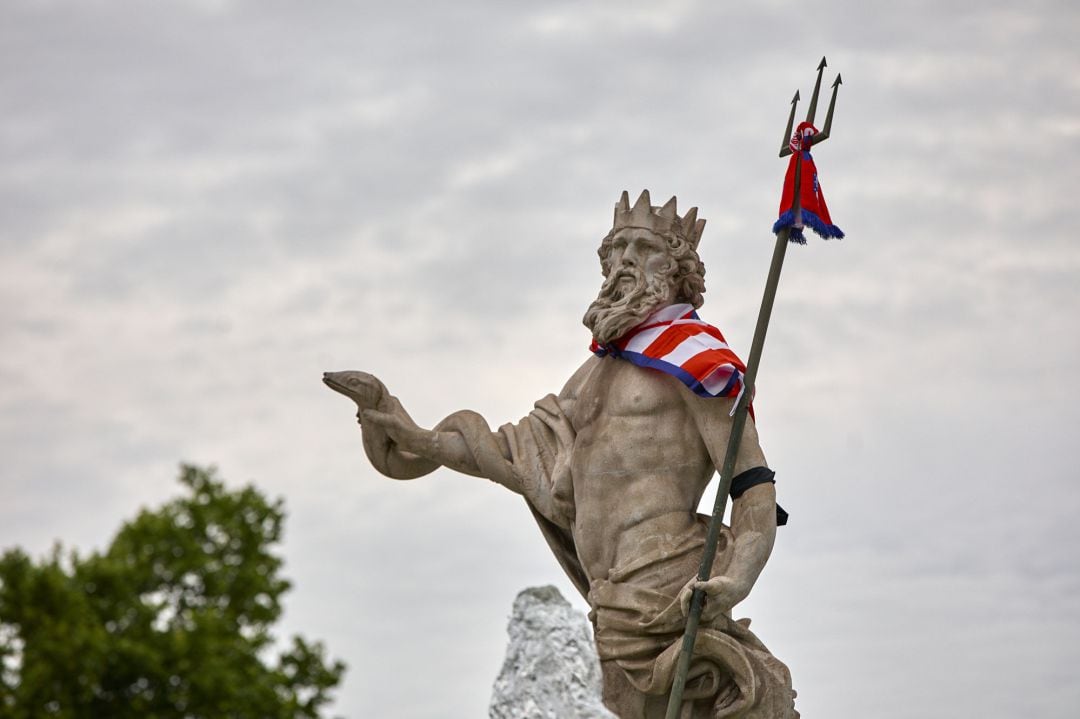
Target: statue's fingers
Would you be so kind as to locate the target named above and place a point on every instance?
(686, 595)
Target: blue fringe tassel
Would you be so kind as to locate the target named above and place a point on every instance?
(812, 221)
(784, 221)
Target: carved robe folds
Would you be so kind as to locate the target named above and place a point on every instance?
(635, 613)
(639, 626)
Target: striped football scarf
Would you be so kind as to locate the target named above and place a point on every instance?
(813, 212)
(675, 340)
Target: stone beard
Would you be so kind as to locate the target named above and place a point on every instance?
(627, 296)
(613, 468)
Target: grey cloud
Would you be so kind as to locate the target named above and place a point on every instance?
(207, 204)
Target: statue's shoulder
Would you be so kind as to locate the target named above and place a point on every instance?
(573, 387)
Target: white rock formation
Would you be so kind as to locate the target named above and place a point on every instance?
(551, 669)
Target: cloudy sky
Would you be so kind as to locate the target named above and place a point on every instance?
(206, 204)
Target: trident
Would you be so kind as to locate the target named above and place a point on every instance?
(697, 601)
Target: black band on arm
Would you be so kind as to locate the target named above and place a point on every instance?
(781, 516)
(752, 478)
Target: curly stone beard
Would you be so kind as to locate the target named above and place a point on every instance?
(616, 310)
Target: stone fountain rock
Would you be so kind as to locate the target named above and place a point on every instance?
(551, 668)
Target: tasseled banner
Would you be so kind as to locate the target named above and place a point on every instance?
(812, 209)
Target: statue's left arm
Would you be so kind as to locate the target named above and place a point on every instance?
(753, 509)
(463, 441)
(401, 449)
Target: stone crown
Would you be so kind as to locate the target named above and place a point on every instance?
(660, 220)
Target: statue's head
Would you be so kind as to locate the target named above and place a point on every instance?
(649, 261)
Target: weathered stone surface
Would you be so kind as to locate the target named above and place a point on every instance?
(613, 469)
(551, 668)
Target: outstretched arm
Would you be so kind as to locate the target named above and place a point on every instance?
(370, 394)
(446, 448)
(463, 441)
(401, 449)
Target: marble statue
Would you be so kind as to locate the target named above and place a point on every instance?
(613, 468)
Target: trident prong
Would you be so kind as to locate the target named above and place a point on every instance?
(785, 150)
(812, 110)
(824, 134)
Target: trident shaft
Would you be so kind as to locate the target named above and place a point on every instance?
(697, 601)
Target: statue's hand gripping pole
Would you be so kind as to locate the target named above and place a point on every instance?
(697, 601)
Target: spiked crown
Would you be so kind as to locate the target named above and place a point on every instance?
(657, 219)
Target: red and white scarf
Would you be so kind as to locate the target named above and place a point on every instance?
(675, 340)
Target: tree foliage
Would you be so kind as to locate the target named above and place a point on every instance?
(172, 620)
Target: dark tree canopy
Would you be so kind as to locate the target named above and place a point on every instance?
(172, 620)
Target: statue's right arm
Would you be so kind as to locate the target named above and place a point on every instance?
(753, 513)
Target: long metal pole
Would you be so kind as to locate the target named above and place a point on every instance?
(697, 601)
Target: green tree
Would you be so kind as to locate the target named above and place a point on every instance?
(172, 620)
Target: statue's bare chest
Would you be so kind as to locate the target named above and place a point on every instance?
(617, 388)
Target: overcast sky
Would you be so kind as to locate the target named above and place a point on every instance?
(206, 204)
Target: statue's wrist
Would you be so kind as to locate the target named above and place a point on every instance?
(740, 579)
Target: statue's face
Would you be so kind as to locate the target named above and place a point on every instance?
(634, 248)
(639, 279)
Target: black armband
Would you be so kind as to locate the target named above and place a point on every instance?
(752, 478)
